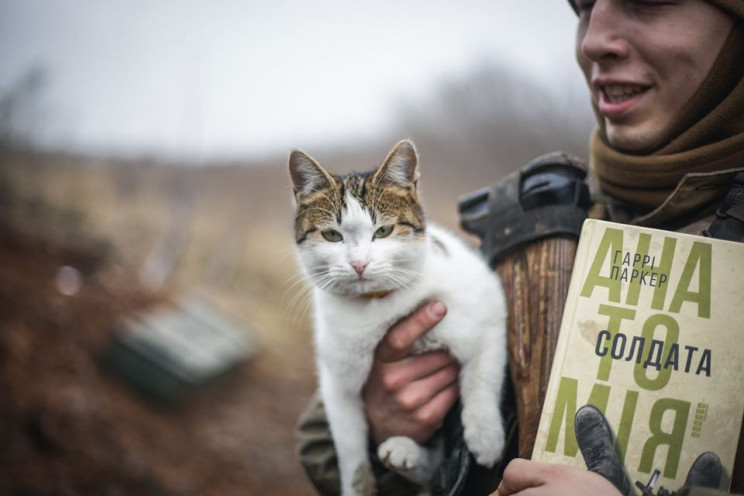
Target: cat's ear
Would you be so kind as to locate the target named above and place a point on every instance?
(307, 174)
(400, 167)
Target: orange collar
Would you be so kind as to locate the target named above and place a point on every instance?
(377, 294)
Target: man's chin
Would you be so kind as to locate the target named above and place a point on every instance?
(629, 138)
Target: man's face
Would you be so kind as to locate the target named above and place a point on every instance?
(644, 60)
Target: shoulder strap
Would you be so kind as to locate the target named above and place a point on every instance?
(729, 221)
(547, 197)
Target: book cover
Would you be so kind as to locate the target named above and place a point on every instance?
(653, 336)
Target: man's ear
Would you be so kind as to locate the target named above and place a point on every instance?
(307, 174)
(400, 167)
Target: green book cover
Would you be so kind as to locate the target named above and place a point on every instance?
(652, 335)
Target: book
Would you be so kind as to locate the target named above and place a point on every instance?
(653, 336)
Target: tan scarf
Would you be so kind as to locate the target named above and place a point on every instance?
(707, 137)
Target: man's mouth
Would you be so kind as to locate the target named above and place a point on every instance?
(619, 100)
(618, 93)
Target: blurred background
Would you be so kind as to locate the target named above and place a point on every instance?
(154, 327)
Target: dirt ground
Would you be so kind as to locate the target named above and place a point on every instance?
(69, 427)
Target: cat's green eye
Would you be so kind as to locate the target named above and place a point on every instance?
(332, 235)
(384, 232)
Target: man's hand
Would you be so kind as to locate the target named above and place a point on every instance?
(410, 395)
(525, 477)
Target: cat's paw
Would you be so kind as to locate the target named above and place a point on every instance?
(485, 439)
(400, 454)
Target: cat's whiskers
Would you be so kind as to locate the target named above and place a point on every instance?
(408, 259)
(305, 304)
(398, 283)
(402, 278)
(380, 190)
(284, 252)
(301, 307)
(300, 286)
(336, 202)
(306, 210)
(294, 290)
(395, 264)
(327, 274)
(299, 292)
(302, 277)
(302, 294)
(397, 268)
(302, 300)
(294, 278)
(326, 282)
(316, 189)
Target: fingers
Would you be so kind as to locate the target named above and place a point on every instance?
(522, 474)
(407, 395)
(410, 397)
(395, 376)
(425, 387)
(431, 415)
(401, 336)
(528, 478)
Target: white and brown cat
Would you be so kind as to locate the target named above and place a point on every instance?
(365, 245)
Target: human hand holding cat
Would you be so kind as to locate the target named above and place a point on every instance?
(409, 395)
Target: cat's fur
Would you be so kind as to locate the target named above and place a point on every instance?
(416, 263)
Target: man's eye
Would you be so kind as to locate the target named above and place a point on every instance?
(332, 235)
(652, 3)
(584, 6)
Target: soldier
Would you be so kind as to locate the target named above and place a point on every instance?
(666, 79)
(667, 87)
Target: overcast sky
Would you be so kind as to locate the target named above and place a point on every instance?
(251, 77)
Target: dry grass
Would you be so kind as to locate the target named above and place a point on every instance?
(234, 226)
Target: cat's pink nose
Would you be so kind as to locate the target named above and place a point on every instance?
(359, 266)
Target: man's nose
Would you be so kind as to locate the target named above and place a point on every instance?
(602, 38)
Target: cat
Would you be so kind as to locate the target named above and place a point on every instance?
(363, 242)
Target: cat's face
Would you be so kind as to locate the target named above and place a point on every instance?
(361, 233)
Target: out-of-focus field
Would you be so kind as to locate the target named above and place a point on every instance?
(67, 426)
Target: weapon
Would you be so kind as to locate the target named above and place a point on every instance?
(529, 224)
